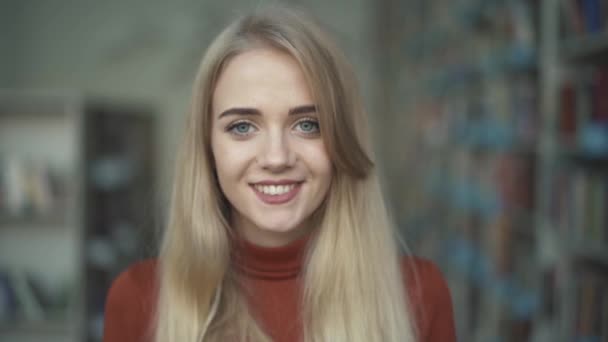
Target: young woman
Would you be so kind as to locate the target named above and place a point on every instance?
(278, 230)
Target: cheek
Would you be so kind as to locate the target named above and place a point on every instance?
(229, 176)
(230, 165)
(326, 174)
(323, 172)
(223, 160)
(321, 164)
(229, 162)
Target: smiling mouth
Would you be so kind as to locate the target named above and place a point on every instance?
(276, 194)
(274, 190)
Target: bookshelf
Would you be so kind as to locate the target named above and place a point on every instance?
(118, 209)
(529, 254)
(39, 220)
(584, 50)
(487, 157)
(497, 145)
(75, 197)
(575, 173)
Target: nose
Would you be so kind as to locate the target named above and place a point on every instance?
(276, 154)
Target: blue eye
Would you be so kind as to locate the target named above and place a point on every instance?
(240, 128)
(308, 126)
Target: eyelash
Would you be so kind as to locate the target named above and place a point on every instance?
(232, 127)
(311, 120)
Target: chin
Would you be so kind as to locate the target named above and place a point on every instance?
(278, 225)
(277, 228)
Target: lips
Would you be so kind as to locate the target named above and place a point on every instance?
(276, 192)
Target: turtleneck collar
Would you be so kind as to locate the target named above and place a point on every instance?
(284, 262)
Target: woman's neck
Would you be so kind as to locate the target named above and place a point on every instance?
(266, 237)
(258, 262)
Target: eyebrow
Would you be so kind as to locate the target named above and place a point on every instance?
(305, 109)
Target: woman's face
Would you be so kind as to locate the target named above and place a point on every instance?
(270, 159)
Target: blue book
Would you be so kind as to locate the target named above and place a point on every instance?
(592, 14)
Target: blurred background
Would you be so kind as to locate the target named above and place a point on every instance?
(490, 120)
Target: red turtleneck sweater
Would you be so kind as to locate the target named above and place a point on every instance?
(272, 275)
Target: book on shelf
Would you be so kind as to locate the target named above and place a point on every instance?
(30, 307)
(513, 178)
(581, 17)
(29, 190)
(25, 297)
(591, 308)
(583, 115)
(600, 90)
(578, 205)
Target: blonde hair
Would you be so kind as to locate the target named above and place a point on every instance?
(353, 288)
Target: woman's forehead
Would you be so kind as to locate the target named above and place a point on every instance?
(261, 78)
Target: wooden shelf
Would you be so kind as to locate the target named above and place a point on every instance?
(583, 158)
(36, 327)
(38, 103)
(589, 50)
(590, 250)
(32, 221)
(512, 149)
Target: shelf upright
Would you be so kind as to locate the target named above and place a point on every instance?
(43, 129)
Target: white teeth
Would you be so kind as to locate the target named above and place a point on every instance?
(275, 189)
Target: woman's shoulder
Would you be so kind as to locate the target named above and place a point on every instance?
(130, 302)
(425, 281)
(430, 298)
(425, 270)
(137, 278)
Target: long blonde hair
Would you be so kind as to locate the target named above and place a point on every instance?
(353, 288)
